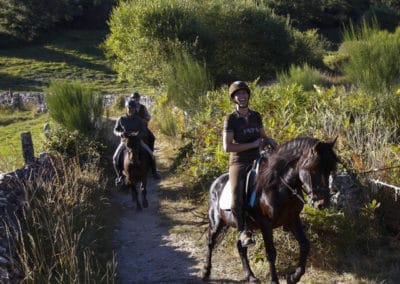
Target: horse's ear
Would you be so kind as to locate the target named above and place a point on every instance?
(315, 148)
(331, 142)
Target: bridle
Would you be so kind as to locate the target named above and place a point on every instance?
(294, 192)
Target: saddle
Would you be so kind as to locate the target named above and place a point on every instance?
(250, 193)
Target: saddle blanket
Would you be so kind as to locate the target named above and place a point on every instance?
(225, 200)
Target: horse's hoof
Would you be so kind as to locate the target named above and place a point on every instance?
(139, 208)
(145, 204)
(289, 279)
(252, 279)
(205, 276)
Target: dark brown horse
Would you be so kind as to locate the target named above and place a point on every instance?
(136, 166)
(302, 165)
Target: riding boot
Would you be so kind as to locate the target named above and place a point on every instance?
(246, 236)
(119, 179)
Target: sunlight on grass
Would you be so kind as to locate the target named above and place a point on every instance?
(10, 138)
(69, 55)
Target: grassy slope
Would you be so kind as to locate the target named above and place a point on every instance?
(72, 55)
(12, 125)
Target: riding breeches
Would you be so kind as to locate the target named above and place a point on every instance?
(237, 178)
(116, 157)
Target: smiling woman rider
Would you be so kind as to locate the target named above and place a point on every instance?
(242, 135)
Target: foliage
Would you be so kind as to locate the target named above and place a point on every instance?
(333, 14)
(374, 61)
(73, 144)
(74, 106)
(305, 76)
(373, 65)
(145, 36)
(30, 19)
(187, 83)
(58, 238)
(308, 14)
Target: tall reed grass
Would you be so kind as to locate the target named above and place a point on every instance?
(60, 237)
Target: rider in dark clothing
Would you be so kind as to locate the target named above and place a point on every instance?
(141, 110)
(130, 122)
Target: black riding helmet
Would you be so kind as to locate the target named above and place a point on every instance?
(131, 104)
(236, 86)
(135, 95)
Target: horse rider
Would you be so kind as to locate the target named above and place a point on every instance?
(243, 133)
(130, 122)
(141, 110)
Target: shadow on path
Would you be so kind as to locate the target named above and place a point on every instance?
(145, 253)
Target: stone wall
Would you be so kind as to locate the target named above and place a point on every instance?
(12, 193)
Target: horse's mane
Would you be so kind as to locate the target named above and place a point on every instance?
(287, 154)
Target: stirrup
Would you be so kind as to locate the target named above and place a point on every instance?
(119, 180)
(246, 238)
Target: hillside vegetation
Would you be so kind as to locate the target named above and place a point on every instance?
(187, 52)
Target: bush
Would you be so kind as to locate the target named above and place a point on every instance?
(74, 106)
(305, 76)
(374, 60)
(29, 19)
(146, 35)
(187, 83)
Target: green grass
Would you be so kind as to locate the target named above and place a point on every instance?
(12, 125)
(70, 55)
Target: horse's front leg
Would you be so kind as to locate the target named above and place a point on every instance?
(270, 251)
(135, 196)
(298, 232)
(245, 263)
(144, 193)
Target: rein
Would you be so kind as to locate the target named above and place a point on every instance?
(294, 192)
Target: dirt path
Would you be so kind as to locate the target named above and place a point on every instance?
(146, 251)
(165, 243)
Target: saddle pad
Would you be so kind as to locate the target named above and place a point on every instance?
(225, 201)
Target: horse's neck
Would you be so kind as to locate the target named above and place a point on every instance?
(291, 180)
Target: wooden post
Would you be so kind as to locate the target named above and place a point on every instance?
(27, 148)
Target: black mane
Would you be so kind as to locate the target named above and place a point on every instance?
(288, 154)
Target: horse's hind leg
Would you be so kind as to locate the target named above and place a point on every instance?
(214, 229)
(144, 193)
(304, 243)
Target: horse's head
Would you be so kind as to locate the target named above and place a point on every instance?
(314, 167)
(132, 143)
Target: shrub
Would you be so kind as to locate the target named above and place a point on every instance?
(74, 106)
(187, 83)
(374, 60)
(30, 19)
(145, 36)
(305, 76)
